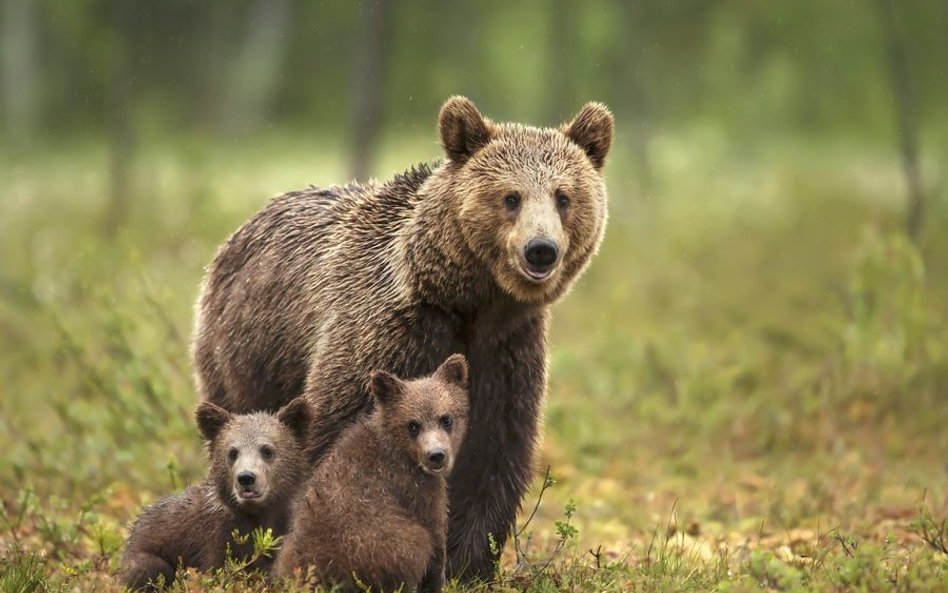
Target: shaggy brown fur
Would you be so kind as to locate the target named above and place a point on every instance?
(324, 285)
(193, 528)
(376, 509)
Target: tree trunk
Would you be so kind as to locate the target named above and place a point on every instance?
(18, 67)
(631, 96)
(905, 117)
(217, 42)
(561, 101)
(120, 133)
(255, 75)
(368, 85)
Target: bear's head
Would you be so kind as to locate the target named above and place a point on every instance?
(424, 419)
(256, 460)
(532, 202)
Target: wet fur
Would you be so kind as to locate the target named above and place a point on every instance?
(324, 285)
(371, 510)
(192, 529)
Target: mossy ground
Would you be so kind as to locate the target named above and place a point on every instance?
(749, 387)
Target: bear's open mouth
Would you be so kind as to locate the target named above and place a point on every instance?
(248, 494)
(435, 470)
(537, 274)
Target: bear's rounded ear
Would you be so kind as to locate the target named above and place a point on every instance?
(386, 387)
(296, 416)
(453, 370)
(591, 129)
(463, 129)
(211, 419)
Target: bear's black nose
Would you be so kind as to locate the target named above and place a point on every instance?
(541, 253)
(436, 456)
(246, 478)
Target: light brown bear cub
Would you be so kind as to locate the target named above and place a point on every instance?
(375, 511)
(257, 467)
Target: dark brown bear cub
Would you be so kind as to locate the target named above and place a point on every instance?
(256, 468)
(375, 511)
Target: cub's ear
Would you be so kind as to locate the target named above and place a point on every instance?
(297, 416)
(453, 370)
(211, 419)
(463, 129)
(591, 129)
(386, 387)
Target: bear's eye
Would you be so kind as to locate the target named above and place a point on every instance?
(512, 201)
(266, 452)
(413, 428)
(446, 421)
(562, 200)
(232, 454)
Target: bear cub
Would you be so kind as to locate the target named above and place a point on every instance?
(257, 466)
(375, 511)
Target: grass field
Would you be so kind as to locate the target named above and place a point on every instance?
(749, 387)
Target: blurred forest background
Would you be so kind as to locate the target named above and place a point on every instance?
(749, 388)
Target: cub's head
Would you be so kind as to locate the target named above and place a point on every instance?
(256, 460)
(424, 418)
(532, 201)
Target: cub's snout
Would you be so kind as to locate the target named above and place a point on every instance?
(436, 453)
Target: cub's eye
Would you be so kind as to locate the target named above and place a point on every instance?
(413, 428)
(232, 454)
(512, 201)
(562, 200)
(266, 452)
(446, 421)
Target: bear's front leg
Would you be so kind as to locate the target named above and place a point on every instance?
(142, 571)
(495, 467)
(433, 580)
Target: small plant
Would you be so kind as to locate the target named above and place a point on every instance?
(564, 529)
(521, 547)
(26, 505)
(527, 570)
(59, 526)
(495, 550)
(933, 532)
(106, 538)
(848, 543)
(23, 573)
(265, 545)
(174, 473)
(773, 573)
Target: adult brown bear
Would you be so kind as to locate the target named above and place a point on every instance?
(324, 285)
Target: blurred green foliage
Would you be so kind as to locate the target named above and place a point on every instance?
(755, 69)
(747, 388)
